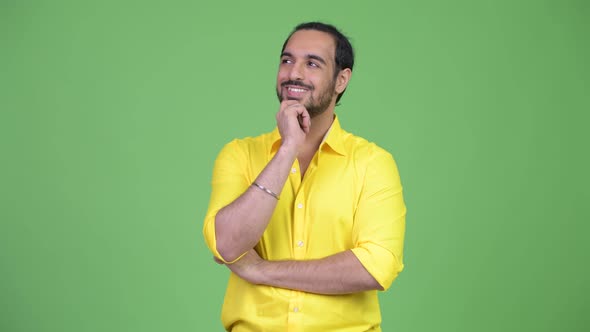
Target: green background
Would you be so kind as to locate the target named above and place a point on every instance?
(113, 112)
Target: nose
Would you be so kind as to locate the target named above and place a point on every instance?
(296, 73)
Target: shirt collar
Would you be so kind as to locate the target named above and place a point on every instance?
(333, 138)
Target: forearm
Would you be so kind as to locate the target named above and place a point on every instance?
(239, 225)
(341, 273)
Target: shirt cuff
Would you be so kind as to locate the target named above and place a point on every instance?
(379, 262)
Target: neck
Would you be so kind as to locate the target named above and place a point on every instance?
(319, 126)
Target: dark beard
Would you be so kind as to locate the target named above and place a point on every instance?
(313, 108)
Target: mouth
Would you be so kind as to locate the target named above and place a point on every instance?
(295, 92)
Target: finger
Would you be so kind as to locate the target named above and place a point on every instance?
(218, 261)
(288, 102)
(287, 109)
(305, 121)
(296, 108)
(302, 115)
(292, 110)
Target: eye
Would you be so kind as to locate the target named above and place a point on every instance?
(313, 64)
(286, 60)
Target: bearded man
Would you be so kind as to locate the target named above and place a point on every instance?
(309, 218)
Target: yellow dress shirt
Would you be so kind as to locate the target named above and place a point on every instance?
(350, 198)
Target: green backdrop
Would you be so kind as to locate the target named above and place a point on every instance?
(112, 113)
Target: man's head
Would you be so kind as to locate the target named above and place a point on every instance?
(316, 65)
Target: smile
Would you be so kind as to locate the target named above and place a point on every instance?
(296, 90)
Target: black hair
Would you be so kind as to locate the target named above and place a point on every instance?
(344, 52)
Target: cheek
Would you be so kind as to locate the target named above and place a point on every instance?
(278, 83)
(282, 76)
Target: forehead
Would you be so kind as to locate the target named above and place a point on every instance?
(305, 42)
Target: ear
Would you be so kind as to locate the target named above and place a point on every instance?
(342, 80)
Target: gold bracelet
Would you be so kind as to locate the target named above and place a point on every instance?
(266, 190)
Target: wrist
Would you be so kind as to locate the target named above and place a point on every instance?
(288, 150)
(261, 277)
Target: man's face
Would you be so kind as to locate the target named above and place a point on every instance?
(306, 72)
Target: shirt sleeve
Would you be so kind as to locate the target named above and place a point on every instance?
(379, 221)
(229, 181)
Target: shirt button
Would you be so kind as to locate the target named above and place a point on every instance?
(300, 205)
(300, 243)
(296, 309)
(293, 170)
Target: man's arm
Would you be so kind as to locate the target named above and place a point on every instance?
(239, 225)
(341, 273)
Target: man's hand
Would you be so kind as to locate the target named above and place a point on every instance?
(248, 267)
(293, 122)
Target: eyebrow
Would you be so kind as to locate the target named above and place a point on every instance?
(309, 56)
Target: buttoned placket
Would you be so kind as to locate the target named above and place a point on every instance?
(299, 213)
(294, 315)
(299, 246)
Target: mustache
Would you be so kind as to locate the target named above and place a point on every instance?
(297, 83)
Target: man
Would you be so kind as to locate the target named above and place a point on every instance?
(310, 219)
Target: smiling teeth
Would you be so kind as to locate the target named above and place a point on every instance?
(296, 90)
